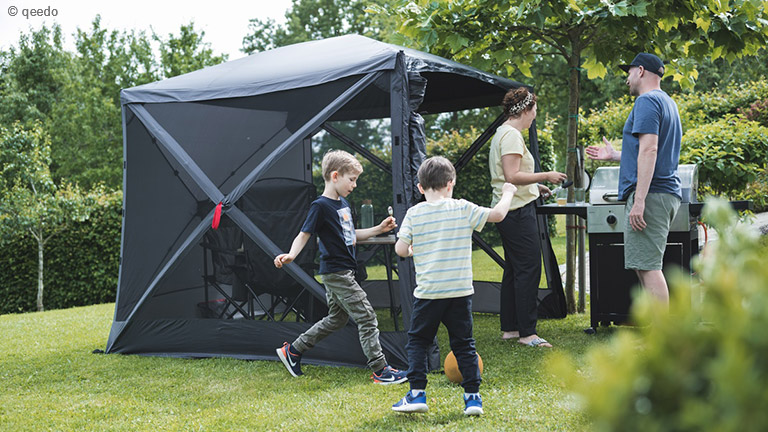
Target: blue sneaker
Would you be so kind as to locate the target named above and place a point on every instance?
(291, 361)
(411, 404)
(389, 375)
(473, 404)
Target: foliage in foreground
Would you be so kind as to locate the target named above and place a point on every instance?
(701, 367)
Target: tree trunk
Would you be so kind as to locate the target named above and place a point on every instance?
(40, 307)
(573, 171)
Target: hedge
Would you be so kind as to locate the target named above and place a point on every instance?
(696, 109)
(730, 153)
(81, 263)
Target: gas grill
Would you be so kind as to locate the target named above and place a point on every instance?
(610, 283)
(606, 212)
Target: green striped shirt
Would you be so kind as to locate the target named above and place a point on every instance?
(441, 235)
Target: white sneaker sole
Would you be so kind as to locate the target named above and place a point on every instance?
(412, 408)
(473, 411)
(285, 361)
(401, 380)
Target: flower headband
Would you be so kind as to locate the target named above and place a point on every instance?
(518, 107)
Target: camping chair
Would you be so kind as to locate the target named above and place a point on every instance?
(230, 268)
(278, 207)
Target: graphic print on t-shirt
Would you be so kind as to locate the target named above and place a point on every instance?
(345, 219)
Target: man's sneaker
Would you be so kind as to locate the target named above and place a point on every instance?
(411, 404)
(389, 375)
(473, 405)
(291, 361)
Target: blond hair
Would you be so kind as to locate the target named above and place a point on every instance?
(341, 161)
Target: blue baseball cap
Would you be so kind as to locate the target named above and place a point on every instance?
(649, 62)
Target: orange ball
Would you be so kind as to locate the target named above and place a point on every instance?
(452, 368)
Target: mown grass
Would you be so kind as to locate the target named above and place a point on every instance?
(50, 380)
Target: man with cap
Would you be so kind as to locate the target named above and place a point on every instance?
(648, 179)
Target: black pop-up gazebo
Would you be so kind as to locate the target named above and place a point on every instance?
(230, 146)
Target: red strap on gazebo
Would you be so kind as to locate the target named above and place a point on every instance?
(216, 217)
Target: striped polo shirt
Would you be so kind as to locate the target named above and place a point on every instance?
(441, 235)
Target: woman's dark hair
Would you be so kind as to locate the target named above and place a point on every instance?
(517, 101)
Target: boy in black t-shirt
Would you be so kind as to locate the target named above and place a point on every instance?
(331, 219)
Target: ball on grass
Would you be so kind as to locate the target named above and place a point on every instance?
(451, 368)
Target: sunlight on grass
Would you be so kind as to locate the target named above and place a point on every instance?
(49, 380)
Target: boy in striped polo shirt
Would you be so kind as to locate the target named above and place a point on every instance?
(438, 235)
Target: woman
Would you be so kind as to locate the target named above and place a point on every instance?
(510, 161)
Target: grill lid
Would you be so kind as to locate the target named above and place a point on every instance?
(605, 184)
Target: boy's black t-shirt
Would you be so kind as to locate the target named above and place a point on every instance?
(331, 220)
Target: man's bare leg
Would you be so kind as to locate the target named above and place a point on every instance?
(653, 281)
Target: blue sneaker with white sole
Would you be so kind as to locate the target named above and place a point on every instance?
(411, 403)
(473, 404)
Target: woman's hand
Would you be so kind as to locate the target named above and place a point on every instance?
(544, 191)
(555, 177)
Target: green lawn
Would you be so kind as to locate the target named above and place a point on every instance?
(49, 380)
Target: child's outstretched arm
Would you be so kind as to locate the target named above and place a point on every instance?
(499, 211)
(296, 247)
(386, 225)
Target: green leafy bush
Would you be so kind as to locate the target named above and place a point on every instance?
(757, 112)
(701, 108)
(730, 152)
(757, 192)
(696, 109)
(81, 263)
(701, 367)
(607, 122)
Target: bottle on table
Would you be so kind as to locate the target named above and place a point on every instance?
(366, 214)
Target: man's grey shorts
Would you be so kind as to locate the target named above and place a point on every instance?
(644, 250)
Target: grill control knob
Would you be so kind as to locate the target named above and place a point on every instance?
(611, 219)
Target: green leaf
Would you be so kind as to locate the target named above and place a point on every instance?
(456, 42)
(594, 68)
(668, 23)
(525, 69)
(703, 22)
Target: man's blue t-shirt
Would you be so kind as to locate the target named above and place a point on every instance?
(655, 113)
(331, 220)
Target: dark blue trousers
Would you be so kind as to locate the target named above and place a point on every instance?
(456, 315)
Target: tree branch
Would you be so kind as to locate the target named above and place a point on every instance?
(549, 40)
(34, 235)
